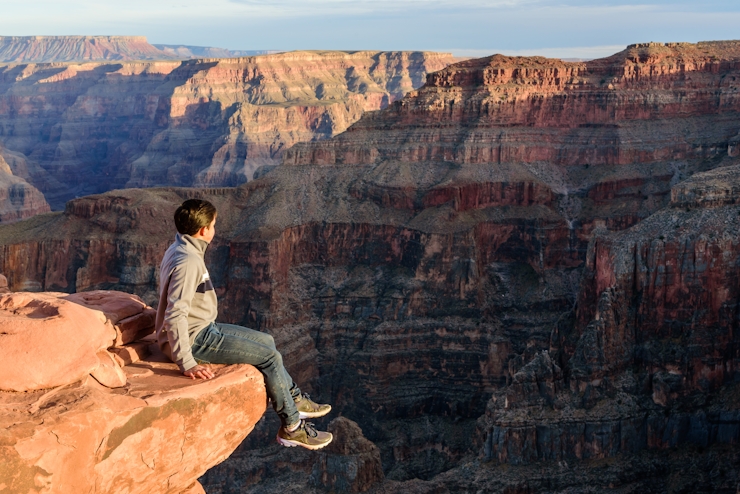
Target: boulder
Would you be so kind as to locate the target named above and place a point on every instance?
(127, 313)
(47, 341)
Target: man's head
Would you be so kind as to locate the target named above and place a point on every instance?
(195, 215)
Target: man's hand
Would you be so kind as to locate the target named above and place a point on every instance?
(199, 372)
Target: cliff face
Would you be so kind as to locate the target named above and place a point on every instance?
(625, 127)
(423, 270)
(611, 111)
(91, 127)
(652, 361)
(679, 270)
(40, 49)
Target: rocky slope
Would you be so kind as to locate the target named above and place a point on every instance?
(41, 49)
(18, 198)
(429, 271)
(90, 127)
(78, 417)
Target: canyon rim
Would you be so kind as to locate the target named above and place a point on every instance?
(71, 127)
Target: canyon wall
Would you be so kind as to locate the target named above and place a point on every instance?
(85, 128)
(452, 272)
(652, 360)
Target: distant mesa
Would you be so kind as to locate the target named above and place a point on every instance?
(48, 49)
(187, 51)
(41, 49)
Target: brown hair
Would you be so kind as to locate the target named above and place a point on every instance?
(192, 215)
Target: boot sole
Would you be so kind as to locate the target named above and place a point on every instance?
(312, 415)
(292, 444)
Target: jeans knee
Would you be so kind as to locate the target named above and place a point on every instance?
(274, 359)
(269, 341)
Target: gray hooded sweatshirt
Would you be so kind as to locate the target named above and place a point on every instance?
(187, 300)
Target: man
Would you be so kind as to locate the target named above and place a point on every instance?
(188, 333)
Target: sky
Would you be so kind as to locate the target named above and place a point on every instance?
(557, 28)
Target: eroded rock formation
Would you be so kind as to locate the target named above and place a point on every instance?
(70, 425)
(84, 128)
(18, 198)
(429, 271)
(652, 360)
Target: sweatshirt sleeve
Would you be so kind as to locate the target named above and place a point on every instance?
(180, 292)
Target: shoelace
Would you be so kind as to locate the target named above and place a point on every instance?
(309, 428)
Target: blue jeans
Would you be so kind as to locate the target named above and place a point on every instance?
(230, 344)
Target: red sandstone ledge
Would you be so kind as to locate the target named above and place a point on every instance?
(157, 432)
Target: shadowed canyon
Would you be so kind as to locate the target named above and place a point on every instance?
(523, 276)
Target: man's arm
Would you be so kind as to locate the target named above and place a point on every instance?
(180, 292)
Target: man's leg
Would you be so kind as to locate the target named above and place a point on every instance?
(232, 346)
(265, 340)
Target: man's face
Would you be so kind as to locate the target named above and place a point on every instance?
(210, 231)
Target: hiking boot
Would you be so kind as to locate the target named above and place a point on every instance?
(305, 436)
(307, 409)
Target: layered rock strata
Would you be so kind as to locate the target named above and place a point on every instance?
(511, 109)
(425, 260)
(156, 432)
(653, 360)
(85, 128)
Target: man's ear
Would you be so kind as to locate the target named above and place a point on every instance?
(200, 232)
